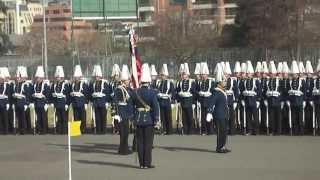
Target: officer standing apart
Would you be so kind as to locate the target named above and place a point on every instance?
(147, 116)
(123, 108)
(219, 111)
(4, 102)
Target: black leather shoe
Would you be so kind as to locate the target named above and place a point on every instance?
(225, 150)
(150, 167)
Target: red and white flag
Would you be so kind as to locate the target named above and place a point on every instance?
(135, 59)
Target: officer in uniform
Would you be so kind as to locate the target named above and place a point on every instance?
(316, 98)
(241, 82)
(204, 94)
(251, 102)
(186, 89)
(40, 100)
(123, 109)
(297, 103)
(100, 97)
(166, 95)
(154, 77)
(147, 116)
(237, 74)
(274, 102)
(197, 73)
(5, 95)
(60, 92)
(21, 98)
(263, 113)
(114, 83)
(285, 103)
(231, 89)
(79, 97)
(219, 111)
(308, 97)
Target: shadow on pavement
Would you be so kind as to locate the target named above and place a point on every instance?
(111, 149)
(104, 163)
(185, 149)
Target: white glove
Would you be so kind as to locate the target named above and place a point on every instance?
(45, 107)
(7, 107)
(209, 117)
(243, 103)
(304, 104)
(52, 105)
(25, 107)
(66, 107)
(235, 105)
(85, 106)
(31, 105)
(172, 106)
(193, 106)
(288, 103)
(311, 103)
(158, 125)
(282, 105)
(107, 105)
(265, 102)
(116, 118)
(258, 104)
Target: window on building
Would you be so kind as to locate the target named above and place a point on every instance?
(47, 11)
(55, 11)
(66, 10)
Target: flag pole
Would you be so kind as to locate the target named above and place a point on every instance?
(69, 151)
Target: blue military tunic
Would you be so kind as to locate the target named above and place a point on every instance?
(40, 94)
(252, 92)
(309, 88)
(316, 91)
(144, 116)
(206, 88)
(232, 90)
(60, 94)
(285, 87)
(21, 94)
(219, 105)
(100, 93)
(122, 102)
(297, 92)
(166, 93)
(5, 94)
(79, 94)
(274, 92)
(186, 90)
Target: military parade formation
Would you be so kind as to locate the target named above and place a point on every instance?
(268, 99)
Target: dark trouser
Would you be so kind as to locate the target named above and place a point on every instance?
(317, 115)
(221, 133)
(144, 144)
(4, 120)
(285, 119)
(21, 117)
(206, 127)
(100, 114)
(187, 116)
(62, 119)
(297, 123)
(10, 119)
(252, 119)
(79, 114)
(263, 111)
(166, 118)
(232, 119)
(275, 119)
(124, 135)
(308, 117)
(28, 120)
(42, 120)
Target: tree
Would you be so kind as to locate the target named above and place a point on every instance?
(5, 43)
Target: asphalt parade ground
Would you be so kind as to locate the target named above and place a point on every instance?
(94, 157)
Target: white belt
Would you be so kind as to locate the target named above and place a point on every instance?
(185, 94)
(3, 97)
(98, 95)
(58, 95)
(38, 95)
(19, 96)
(249, 93)
(316, 92)
(122, 103)
(77, 94)
(205, 94)
(273, 94)
(164, 96)
(229, 92)
(295, 93)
